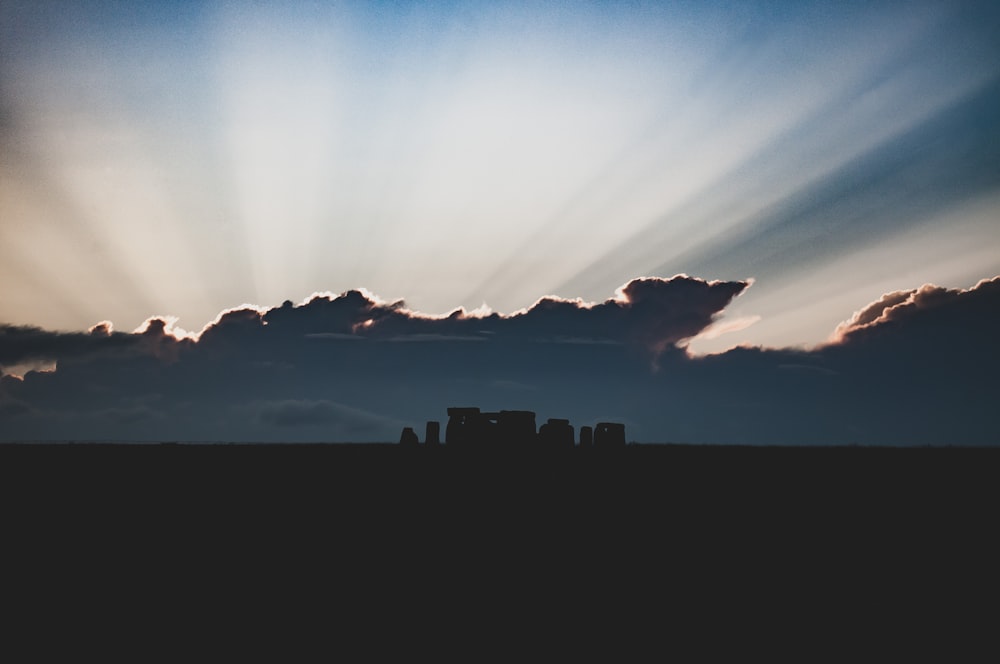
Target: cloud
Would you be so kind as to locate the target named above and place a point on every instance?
(255, 372)
(927, 305)
(21, 344)
(647, 313)
(652, 312)
(915, 367)
(721, 327)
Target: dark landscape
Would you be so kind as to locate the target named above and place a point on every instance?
(647, 479)
(633, 538)
(481, 315)
(502, 459)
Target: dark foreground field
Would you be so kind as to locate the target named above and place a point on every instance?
(385, 532)
(634, 472)
(653, 485)
(638, 479)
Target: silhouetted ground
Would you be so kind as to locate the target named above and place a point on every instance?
(641, 481)
(826, 474)
(714, 533)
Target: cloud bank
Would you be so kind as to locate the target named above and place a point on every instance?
(915, 367)
(929, 306)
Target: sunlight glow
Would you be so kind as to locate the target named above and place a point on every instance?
(480, 155)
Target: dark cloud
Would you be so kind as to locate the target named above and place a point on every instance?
(652, 312)
(916, 367)
(931, 308)
(21, 343)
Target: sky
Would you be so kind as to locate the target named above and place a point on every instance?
(163, 163)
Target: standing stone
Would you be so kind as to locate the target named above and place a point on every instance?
(432, 436)
(408, 438)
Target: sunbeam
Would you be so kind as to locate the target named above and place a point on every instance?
(178, 159)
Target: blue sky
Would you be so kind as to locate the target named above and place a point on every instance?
(178, 159)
